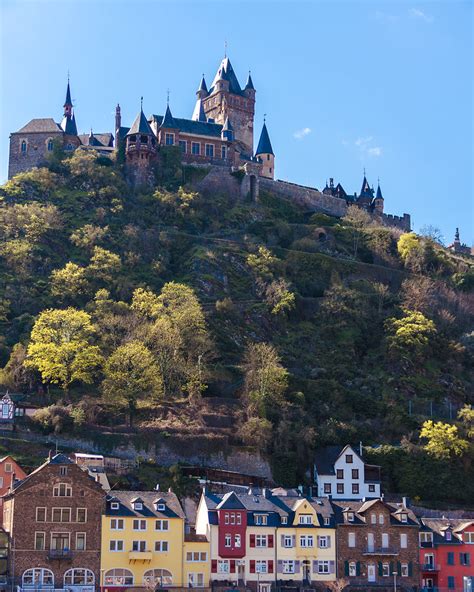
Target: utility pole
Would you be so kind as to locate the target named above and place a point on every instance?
(394, 581)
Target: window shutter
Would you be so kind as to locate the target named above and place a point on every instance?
(232, 566)
(410, 569)
(399, 568)
(391, 567)
(279, 566)
(297, 567)
(358, 568)
(252, 566)
(293, 540)
(282, 540)
(318, 542)
(214, 566)
(270, 566)
(332, 567)
(315, 566)
(270, 541)
(346, 568)
(252, 540)
(380, 568)
(329, 541)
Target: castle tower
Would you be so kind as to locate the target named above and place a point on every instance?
(265, 153)
(68, 123)
(366, 196)
(225, 99)
(140, 150)
(202, 92)
(378, 200)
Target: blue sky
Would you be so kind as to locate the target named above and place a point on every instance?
(345, 85)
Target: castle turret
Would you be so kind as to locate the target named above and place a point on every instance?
(140, 149)
(378, 200)
(265, 153)
(227, 132)
(118, 125)
(249, 89)
(366, 194)
(68, 124)
(201, 93)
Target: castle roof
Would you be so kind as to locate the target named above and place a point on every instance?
(68, 101)
(227, 125)
(379, 193)
(103, 139)
(140, 125)
(189, 126)
(366, 191)
(202, 85)
(199, 113)
(249, 84)
(69, 126)
(44, 125)
(264, 144)
(226, 72)
(168, 120)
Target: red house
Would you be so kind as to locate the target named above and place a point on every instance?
(10, 471)
(447, 555)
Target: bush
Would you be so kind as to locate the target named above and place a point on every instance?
(53, 419)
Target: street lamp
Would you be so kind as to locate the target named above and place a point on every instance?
(394, 581)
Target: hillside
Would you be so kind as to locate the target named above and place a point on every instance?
(215, 321)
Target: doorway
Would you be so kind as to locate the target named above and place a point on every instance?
(371, 572)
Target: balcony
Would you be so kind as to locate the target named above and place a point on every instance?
(140, 556)
(430, 567)
(381, 551)
(60, 554)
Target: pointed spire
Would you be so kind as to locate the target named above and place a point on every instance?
(140, 125)
(365, 189)
(249, 84)
(202, 86)
(379, 191)
(68, 101)
(199, 114)
(168, 120)
(264, 144)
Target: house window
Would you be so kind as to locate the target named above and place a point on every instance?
(355, 473)
(228, 540)
(226, 518)
(351, 539)
(381, 519)
(5, 410)
(61, 515)
(323, 542)
(284, 520)
(352, 568)
(451, 582)
(222, 566)
(450, 558)
(169, 139)
(81, 515)
(239, 519)
(161, 546)
(373, 518)
(139, 525)
(40, 541)
(323, 567)
(261, 566)
(426, 537)
(183, 146)
(469, 538)
(62, 490)
(116, 524)
(23, 146)
(80, 541)
(63, 471)
(162, 525)
(355, 488)
(139, 546)
(196, 580)
(114, 506)
(40, 514)
(384, 540)
(79, 577)
(137, 506)
(261, 540)
(261, 519)
(448, 535)
(371, 488)
(385, 570)
(340, 488)
(306, 519)
(268, 157)
(60, 541)
(210, 150)
(287, 541)
(50, 145)
(350, 516)
(327, 488)
(195, 148)
(349, 459)
(118, 577)
(340, 474)
(232, 518)
(195, 556)
(403, 541)
(160, 507)
(404, 570)
(464, 558)
(288, 566)
(327, 521)
(237, 541)
(223, 152)
(38, 577)
(307, 541)
(116, 545)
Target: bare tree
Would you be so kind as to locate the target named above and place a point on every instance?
(338, 585)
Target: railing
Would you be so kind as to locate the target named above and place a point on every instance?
(430, 567)
(59, 554)
(381, 551)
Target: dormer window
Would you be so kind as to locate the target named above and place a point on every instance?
(261, 519)
(161, 507)
(306, 519)
(449, 535)
(137, 505)
(284, 520)
(114, 506)
(403, 517)
(350, 516)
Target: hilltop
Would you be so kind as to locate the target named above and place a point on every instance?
(211, 321)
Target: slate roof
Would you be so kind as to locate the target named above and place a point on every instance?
(199, 113)
(326, 457)
(264, 144)
(379, 192)
(140, 125)
(168, 120)
(103, 139)
(249, 84)
(359, 508)
(148, 498)
(202, 85)
(226, 72)
(188, 126)
(123, 131)
(68, 101)
(439, 526)
(44, 125)
(69, 126)
(366, 191)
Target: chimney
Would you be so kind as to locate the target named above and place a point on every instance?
(360, 448)
(404, 502)
(157, 487)
(331, 182)
(204, 490)
(170, 490)
(50, 454)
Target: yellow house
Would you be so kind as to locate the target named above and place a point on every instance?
(196, 560)
(142, 541)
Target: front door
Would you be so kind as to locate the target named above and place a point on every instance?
(468, 582)
(241, 572)
(306, 571)
(371, 572)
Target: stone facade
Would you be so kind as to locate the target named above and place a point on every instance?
(376, 540)
(35, 153)
(53, 518)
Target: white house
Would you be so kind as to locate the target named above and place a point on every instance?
(341, 473)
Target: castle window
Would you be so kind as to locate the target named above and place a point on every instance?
(224, 152)
(210, 150)
(69, 147)
(144, 139)
(268, 157)
(196, 148)
(23, 146)
(133, 138)
(169, 139)
(50, 145)
(183, 146)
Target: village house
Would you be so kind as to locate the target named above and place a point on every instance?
(10, 472)
(53, 519)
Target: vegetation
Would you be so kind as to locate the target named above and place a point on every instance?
(148, 310)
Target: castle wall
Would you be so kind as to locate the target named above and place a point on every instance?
(35, 155)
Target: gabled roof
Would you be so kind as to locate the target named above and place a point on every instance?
(230, 501)
(126, 500)
(359, 509)
(168, 120)
(44, 125)
(326, 457)
(103, 139)
(188, 126)
(366, 191)
(140, 125)
(264, 144)
(226, 72)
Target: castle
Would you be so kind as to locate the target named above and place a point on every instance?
(219, 134)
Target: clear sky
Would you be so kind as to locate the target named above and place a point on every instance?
(345, 85)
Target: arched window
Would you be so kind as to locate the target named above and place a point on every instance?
(158, 577)
(38, 577)
(50, 144)
(79, 577)
(118, 577)
(69, 147)
(23, 146)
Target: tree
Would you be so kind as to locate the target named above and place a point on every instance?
(131, 375)
(88, 236)
(358, 220)
(262, 263)
(266, 380)
(410, 336)
(444, 441)
(432, 232)
(103, 264)
(407, 243)
(70, 281)
(279, 297)
(61, 347)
